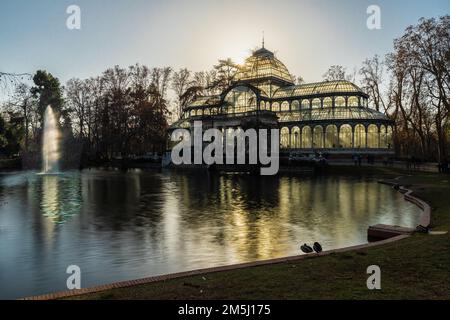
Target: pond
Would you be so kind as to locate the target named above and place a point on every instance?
(119, 226)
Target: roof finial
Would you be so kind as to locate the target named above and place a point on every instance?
(263, 39)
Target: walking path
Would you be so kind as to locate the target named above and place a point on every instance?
(425, 167)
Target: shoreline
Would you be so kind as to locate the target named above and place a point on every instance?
(205, 271)
(425, 218)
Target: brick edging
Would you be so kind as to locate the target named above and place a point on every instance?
(130, 283)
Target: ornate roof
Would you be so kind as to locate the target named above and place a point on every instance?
(309, 89)
(205, 101)
(341, 113)
(263, 64)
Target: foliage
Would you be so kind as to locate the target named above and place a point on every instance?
(47, 91)
(10, 137)
(122, 112)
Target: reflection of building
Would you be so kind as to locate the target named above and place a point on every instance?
(330, 116)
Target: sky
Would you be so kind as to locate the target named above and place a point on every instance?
(308, 36)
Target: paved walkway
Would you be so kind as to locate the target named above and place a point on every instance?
(426, 166)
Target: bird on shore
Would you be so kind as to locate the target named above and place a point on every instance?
(317, 247)
(306, 249)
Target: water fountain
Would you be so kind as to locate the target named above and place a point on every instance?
(50, 143)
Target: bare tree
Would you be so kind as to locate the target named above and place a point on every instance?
(298, 80)
(23, 106)
(9, 81)
(426, 45)
(121, 112)
(335, 72)
(418, 96)
(78, 101)
(225, 72)
(372, 77)
(181, 81)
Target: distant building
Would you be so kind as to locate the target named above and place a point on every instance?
(330, 117)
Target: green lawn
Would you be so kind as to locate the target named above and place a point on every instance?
(414, 268)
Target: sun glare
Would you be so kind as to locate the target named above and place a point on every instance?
(240, 56)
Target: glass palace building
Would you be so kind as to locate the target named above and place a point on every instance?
(330, 117)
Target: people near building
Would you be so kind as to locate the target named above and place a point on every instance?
(355, 159)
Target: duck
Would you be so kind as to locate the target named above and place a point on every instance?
(317, 247)
(306, 249)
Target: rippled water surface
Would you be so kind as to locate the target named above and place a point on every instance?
(118, 226)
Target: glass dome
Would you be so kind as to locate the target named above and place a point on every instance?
(263, 64)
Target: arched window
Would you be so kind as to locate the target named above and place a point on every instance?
(306, 137)
(383, 137)
(240, 99)
(318, 137)
(285, 106)
(360, 136)
(316, 103)
(295, 137)
(193, 113)
(353, 102)
(284, 138)
(339, 102)
(305, 104)
(275, 106)
(327, 102)
(372, 136)
(331, 137)
(295, 105)
(262, 105)
(389, 138)
(345, 136)
(206, 112)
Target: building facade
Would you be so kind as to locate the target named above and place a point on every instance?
(330, 117)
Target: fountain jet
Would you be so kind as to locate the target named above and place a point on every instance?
(50, 143)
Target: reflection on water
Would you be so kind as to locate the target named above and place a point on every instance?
(118, 226)
(59, 196)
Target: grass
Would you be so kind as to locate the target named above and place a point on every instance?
(414, 268)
